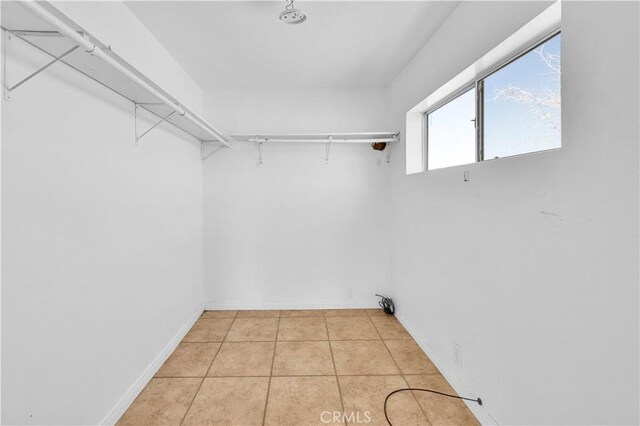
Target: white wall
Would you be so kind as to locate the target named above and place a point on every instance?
(532, 266)
(294, 231)
(101, 245)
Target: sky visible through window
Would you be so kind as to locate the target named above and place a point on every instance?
(522, 104)
(521, 112)
(452, 134)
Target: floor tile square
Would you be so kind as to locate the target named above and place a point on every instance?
(218, 314)
(390, 328)
(366, 394)
(303, 359)
(351, 328)
(302, 329)
(243, 359)
(410, 358)
(189, 360)
(253, 329)
(208, 330)
(354, 357)
(161, 402)
(229, 401)
(345, 313)
(440, 410)
(302, 313)
(259, 314)
(302, 400)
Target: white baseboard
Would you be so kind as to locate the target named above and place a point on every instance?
(332, 304)
(151, 370)
(483, 416)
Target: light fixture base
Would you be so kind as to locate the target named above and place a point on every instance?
(292, 16)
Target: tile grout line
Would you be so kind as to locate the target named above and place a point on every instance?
(301, 340)
(295, 375)
(404, 375)
(136, 398)
(400, 371)
(273, 358)
(335, 370)
(415, 398)
(155, 376)
(395, 324)
(219, 320)
(207, 372)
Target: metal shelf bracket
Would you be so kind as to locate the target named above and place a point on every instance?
(389, 148)
(8, 89)
(326, 150)
(202, 154)
(162, 120)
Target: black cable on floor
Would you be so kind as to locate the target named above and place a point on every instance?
(386, 304)
(479, 401)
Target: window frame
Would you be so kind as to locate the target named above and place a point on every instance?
(478, 84)
(445, 101)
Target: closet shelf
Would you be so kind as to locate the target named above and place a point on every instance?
(333, 138)
(329, 139)
(42, 26)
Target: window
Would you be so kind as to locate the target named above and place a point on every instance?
(510, 111)
(452, 133)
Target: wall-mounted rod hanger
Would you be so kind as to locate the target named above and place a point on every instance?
(326, 150)
(83, 41)
(202, 154)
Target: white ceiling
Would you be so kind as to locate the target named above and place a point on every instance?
(242, 44)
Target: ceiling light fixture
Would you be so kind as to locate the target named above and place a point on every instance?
(291, 15)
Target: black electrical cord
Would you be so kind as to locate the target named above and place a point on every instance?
(479, 401)
(386, 304)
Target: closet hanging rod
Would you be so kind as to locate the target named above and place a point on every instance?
(91, 48)
(340, 141)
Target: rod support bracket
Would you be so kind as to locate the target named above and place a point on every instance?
(162, 120)
(327, 148)
(389, 148)
(260, 151)
(6, 37)
(8, 89)
(202, 154)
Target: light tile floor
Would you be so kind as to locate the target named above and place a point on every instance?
(290, 367)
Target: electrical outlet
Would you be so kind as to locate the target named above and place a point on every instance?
(457, 354)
